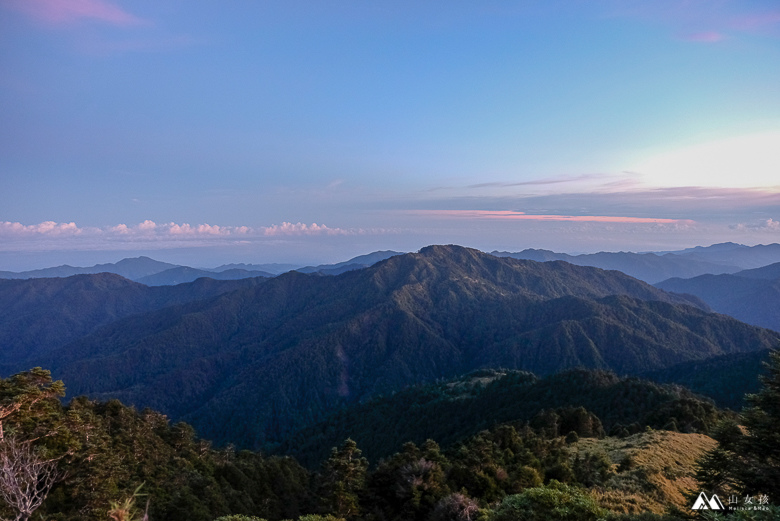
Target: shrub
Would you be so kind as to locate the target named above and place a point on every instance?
(239, 518)
(554, 502)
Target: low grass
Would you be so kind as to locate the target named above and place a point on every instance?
(651, 471)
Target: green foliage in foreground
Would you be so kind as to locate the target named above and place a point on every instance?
(509, 472)
(239, 518)
(106, 450)
(555, 502)
(772, 513)
(749, 462)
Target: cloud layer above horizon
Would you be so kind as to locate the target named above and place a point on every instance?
(149, 230)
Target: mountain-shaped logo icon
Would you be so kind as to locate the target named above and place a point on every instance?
(702, 503)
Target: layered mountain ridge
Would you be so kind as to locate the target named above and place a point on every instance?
(752, 296)
(252, 364)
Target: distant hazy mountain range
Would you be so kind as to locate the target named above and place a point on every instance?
(250, 361)
(745, 257)
(184, 274)
(132, 269)
(653, 267)
(154, 273)
(752, 296)
(740, 281)
(656, 267)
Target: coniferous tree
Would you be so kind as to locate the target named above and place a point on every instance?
(343, 478)
(749, 462)
(23, 391)
(761, 446)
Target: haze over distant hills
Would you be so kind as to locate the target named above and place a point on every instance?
(250, 364)
(184, 274)
(648, 267)
(752, 296)
(132, 269)
(656, 267)
(154, 273)
(359, 262)
(652, 267)
(745, 257)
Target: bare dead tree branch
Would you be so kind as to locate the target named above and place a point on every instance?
(25, 477)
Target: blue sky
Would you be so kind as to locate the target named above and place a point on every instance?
(313, 131)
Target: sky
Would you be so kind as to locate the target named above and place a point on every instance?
(205, 133)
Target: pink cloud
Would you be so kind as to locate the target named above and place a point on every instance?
(703, 21)
(63, 12)
(146, 225)
(705, 37)
(44, 228)
(757, 21)
(521, 216)
(121, 229)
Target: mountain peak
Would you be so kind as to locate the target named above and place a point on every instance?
(450, 251)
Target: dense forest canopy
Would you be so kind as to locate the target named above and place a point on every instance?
(91, 458)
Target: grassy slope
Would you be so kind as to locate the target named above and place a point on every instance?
(661, 475)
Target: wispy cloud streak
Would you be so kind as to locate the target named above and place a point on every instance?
(757, 21)
(522, 216)
(539, 182)
(64, 12)
(704, 21)
(705, 37)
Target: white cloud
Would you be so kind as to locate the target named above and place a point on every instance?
(767, 225)
(151, 231)
(306, 229)
(146, 225)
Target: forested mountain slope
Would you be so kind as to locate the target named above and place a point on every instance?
(579, 400)
(38, 315)
(725, 379)
(251, 365)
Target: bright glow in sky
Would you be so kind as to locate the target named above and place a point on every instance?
(751, 161)
(312, 131)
